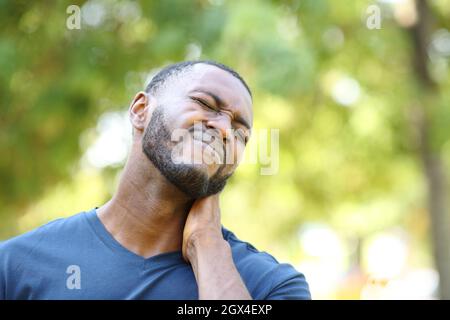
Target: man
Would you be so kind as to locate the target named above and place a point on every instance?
(160, 236)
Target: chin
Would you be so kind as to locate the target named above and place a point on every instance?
(210, 169)
(200, 184)
(201, 168)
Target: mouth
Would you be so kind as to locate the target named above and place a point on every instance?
(209, 141)
(215, 152)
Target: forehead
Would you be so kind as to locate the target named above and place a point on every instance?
(212, 79)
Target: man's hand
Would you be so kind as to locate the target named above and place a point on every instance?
(210, 254)
(202, 224)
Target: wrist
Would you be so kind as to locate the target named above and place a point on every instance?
(203, 241)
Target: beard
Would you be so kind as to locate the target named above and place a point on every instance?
(188, 178)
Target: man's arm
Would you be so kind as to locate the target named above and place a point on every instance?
(210, 255)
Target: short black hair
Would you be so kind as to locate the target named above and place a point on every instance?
(173, 69)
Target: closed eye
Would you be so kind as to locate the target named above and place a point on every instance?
(203, 103)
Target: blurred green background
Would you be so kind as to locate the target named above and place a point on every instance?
(360, 201)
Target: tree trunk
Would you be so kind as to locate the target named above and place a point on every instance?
(431, 157)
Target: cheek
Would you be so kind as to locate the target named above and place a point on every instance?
(234, 153)
(185, 119)
(240, 150)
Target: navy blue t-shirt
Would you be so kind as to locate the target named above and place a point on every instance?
(77, 258)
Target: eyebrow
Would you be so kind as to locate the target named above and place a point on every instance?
(219, 102)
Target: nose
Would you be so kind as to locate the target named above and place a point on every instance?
(221, 123)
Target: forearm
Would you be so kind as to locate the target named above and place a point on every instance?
(215, 271)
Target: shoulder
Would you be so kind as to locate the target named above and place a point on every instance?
(25, 244)
(260, 270)
(20, 255)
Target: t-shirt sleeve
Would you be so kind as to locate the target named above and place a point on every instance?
(288, 284)
(2, 273)
(15, 252)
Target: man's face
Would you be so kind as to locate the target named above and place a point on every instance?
(198, 130)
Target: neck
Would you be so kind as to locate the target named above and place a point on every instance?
(147, 213)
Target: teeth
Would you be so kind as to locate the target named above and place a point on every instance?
(218, 152)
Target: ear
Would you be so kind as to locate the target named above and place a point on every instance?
(138, 111)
